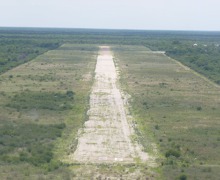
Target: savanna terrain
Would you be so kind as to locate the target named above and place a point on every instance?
(168, 80)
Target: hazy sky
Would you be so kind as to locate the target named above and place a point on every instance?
(113, 14)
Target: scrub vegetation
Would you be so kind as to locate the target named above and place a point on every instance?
(198, 50)
(175, 108)
(42, 102)
(45, 82)
(16, 49)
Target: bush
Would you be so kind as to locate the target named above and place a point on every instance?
(182, 177)
(199, 108)
(70, 94)
(172, 152)
(157, 127)
(42, 100)
(35, 143)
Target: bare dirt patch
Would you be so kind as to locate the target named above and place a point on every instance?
(107, 135)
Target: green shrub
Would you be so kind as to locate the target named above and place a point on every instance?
(199, 108)
(42, 100)
(34, 142)
(182, 177)
(172, 152)
(157, 127)
(70, 94)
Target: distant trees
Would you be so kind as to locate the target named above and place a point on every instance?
(19, 46)
(16, 48)
(203, 58)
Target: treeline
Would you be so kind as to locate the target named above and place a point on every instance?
(205, 59)
(16, 49)
(201, 55)
(198, 50)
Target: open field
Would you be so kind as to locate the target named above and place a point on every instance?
(43, 103)
(178, 109)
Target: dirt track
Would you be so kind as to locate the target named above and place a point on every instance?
(106, 136)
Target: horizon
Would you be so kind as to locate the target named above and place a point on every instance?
(78, 28)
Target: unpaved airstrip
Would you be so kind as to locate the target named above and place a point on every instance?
(107, 135)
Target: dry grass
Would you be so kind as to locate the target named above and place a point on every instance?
(176, 111)
(35, 95)
(175, 108)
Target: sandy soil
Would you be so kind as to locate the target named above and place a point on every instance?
(106, 136)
